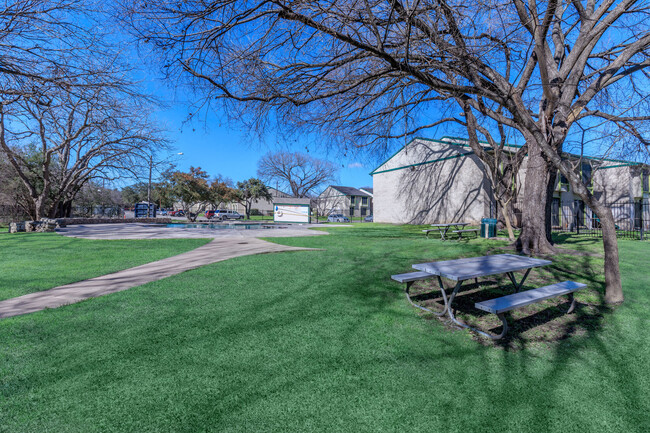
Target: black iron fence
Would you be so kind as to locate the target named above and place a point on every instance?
(632, 219)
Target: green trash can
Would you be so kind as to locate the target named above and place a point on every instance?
(488, 227)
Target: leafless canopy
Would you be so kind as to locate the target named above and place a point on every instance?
(295, 172)
(68, 112)
(58, 146)
(375, 69)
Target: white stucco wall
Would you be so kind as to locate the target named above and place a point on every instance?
(614, 183)
(450, 190)
(409, 188)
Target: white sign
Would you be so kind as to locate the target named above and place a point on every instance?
(291, 213)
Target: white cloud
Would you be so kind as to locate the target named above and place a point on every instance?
(355, 165)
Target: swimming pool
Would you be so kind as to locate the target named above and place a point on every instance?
(222, 226)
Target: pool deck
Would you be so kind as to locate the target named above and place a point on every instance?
(150, 231)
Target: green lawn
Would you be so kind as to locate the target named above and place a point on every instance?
(325, 341)
(39, 261)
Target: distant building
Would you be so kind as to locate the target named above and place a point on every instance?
(264, 206)
(345, 200)
(441, 181)
(367, 190)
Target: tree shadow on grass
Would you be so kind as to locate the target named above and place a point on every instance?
(537, 324)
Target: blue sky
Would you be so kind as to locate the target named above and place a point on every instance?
(221, 148)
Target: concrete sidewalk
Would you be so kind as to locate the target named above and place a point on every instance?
(219, 249)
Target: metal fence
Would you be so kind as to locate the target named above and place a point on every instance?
(632, 219)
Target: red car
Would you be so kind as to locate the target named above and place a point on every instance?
(179, 212)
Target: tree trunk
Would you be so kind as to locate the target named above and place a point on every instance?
(38, 208)
(535, 236)
(613, 286)
(506, 219)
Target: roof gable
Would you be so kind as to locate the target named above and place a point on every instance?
(348, 190)
(464, 143)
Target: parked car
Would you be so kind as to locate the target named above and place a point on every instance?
(217, 214)
(224, 214)
(231, 215)
(368, 219)
(163, 212)
(337, 218)
(179, 212)
(209, 214)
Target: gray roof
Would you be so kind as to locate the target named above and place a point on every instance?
(348, 190)
(291, 200)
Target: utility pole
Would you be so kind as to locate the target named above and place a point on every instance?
(149, 186)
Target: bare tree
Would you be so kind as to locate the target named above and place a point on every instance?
(367, 71)
(92, 133)
(67, 114)
(296, 172)
(56, 42)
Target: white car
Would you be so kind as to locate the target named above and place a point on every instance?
(337, 218)
(228, 215)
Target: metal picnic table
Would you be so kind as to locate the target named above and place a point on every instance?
(460, 270)
(444, 228)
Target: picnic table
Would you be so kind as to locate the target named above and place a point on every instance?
(461, 270)
(444, 228)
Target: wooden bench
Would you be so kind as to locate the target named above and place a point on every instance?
(501, 305)
(460, 232)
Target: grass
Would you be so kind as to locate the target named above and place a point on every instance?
(32, 262)
(324, 341)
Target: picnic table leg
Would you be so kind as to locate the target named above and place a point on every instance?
(444, 298)
(573, 303)
(514, 281)
(450, 311)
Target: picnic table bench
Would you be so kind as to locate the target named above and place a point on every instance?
(461, 270)
(460, 232)
(502, 305)
(443, 229)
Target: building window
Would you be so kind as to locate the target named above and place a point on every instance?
(555, 212)
(564, 183)
(586, 171)
(363, 211)
(351, 211)
(364, 201)
(352, 200)
(580, 212)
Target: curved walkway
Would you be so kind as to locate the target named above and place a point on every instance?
(221, 248)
